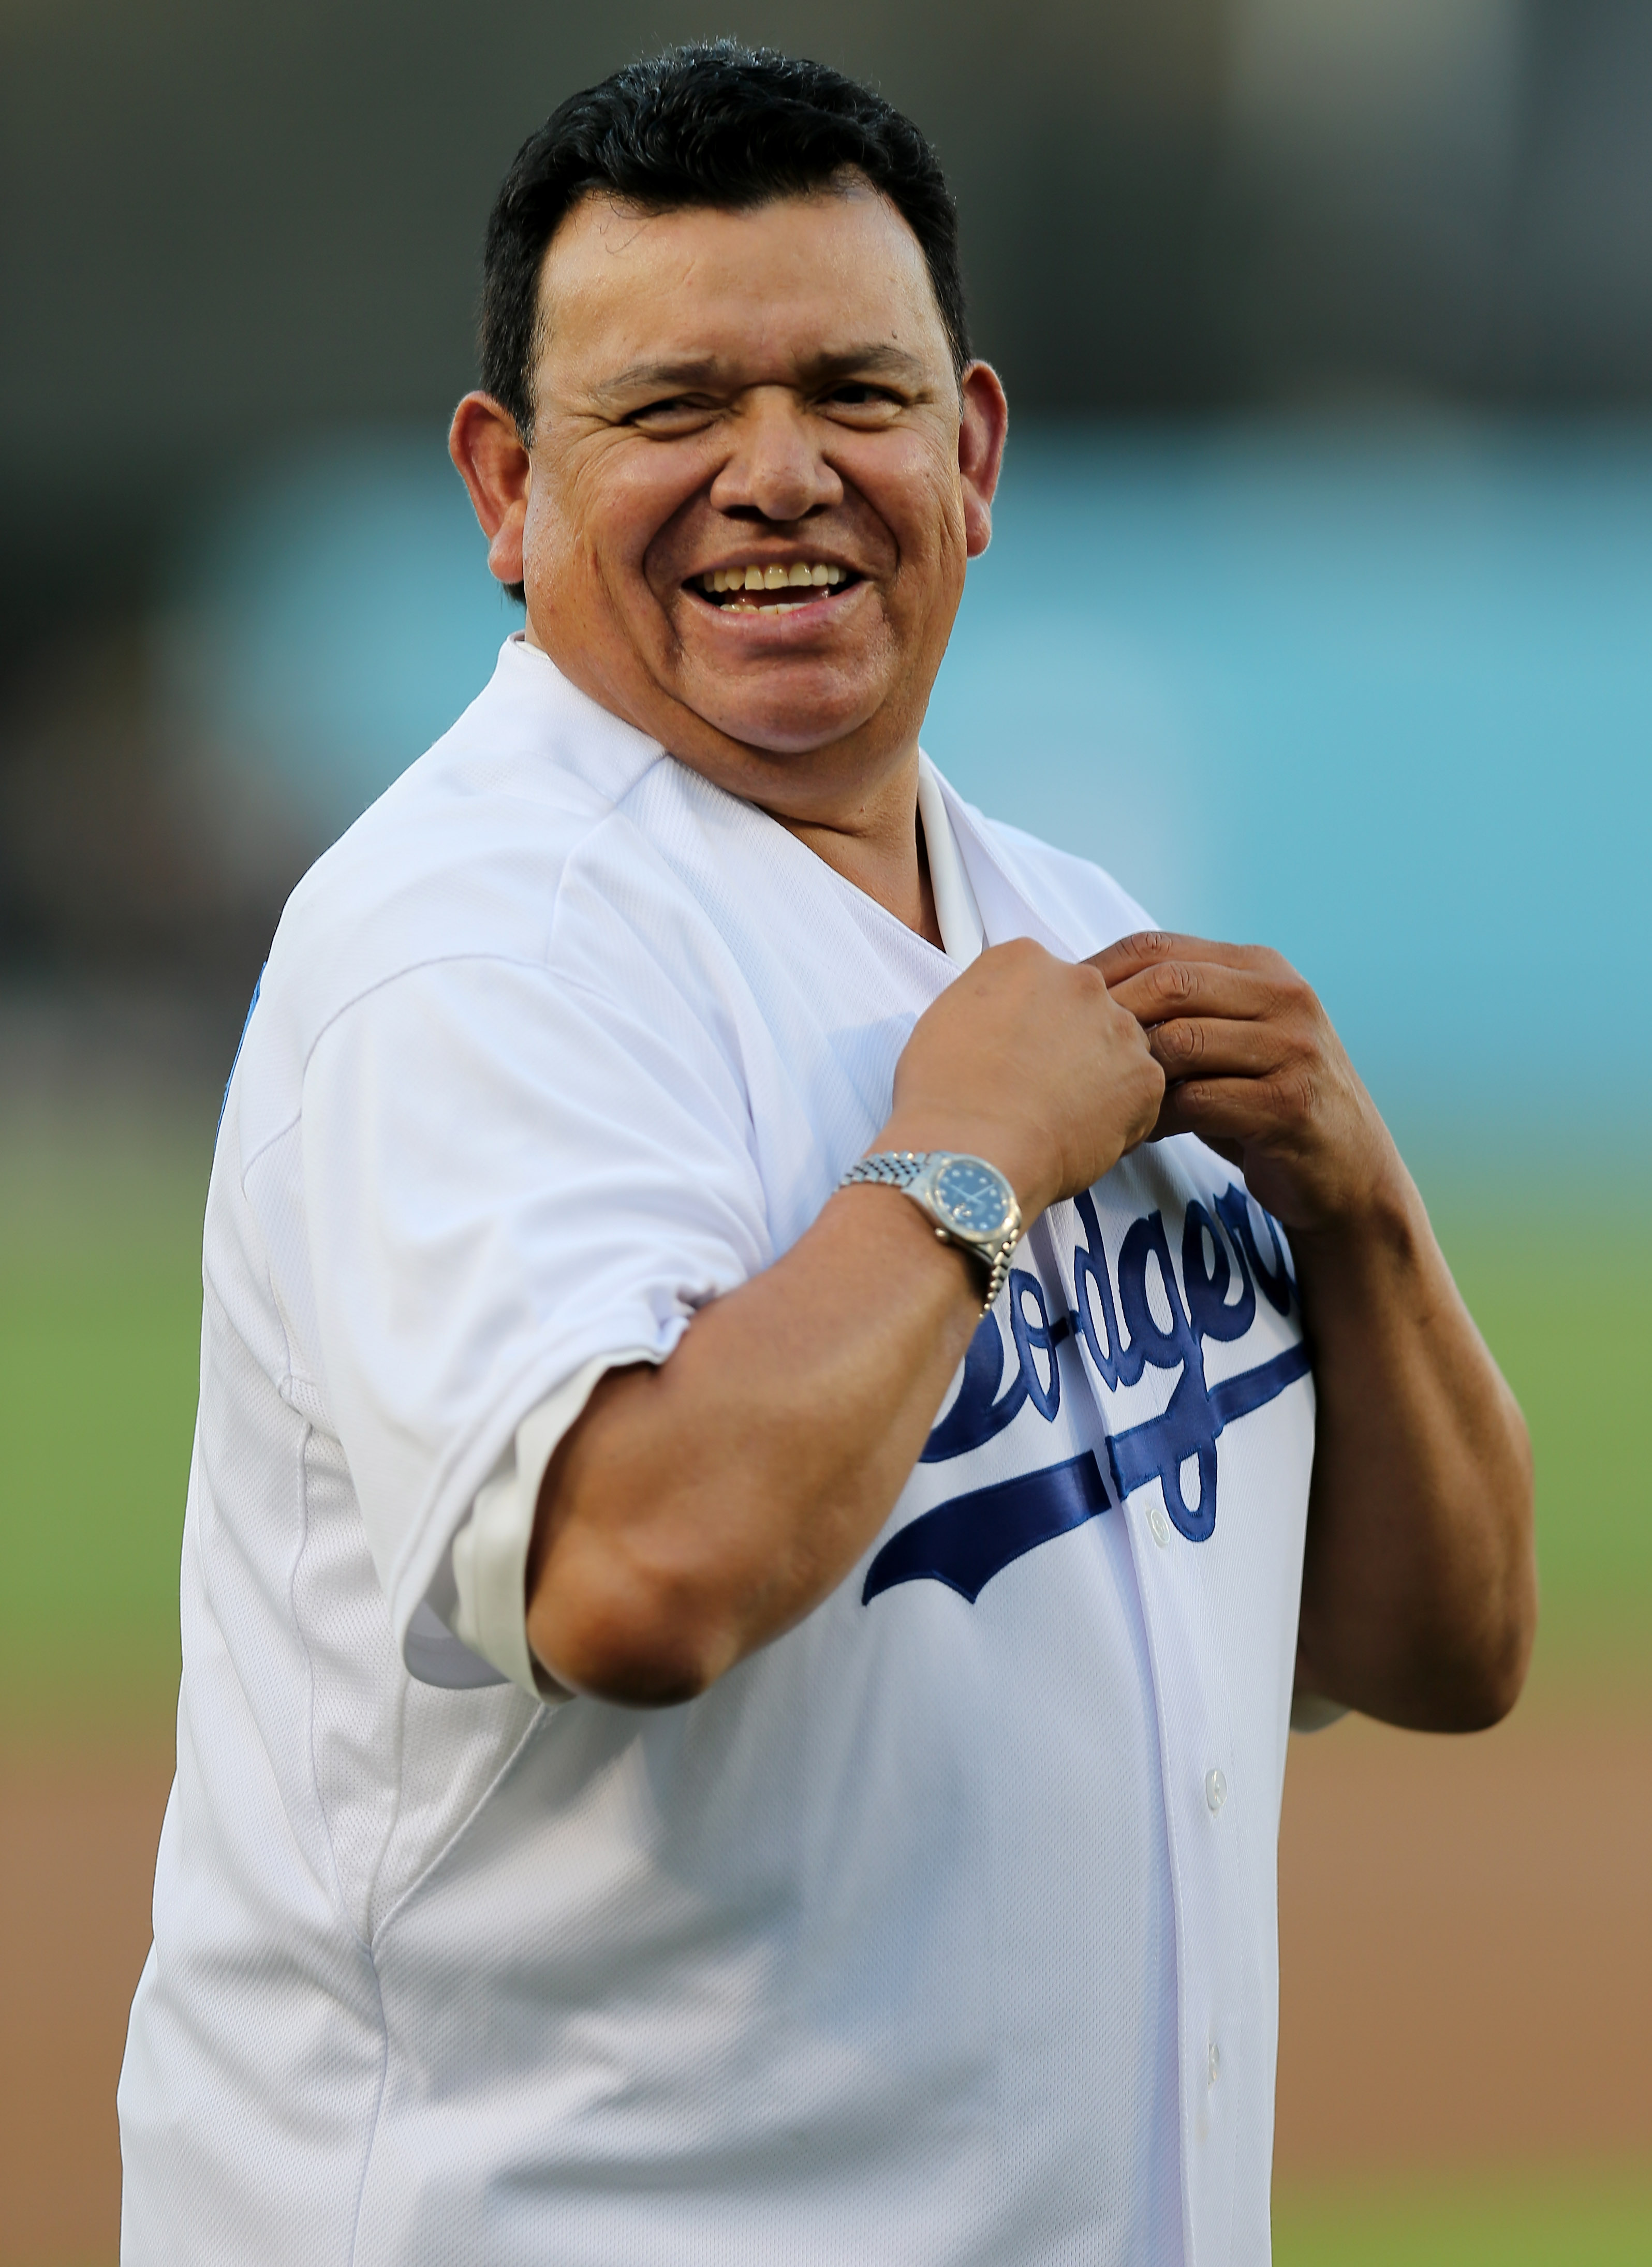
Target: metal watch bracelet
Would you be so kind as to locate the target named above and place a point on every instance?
(901, 1169)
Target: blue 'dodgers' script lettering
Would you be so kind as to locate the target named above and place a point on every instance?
(966, 1540)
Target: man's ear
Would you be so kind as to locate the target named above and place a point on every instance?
(981, 450)
(488, 452)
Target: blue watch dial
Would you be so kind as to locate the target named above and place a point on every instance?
(974, 1198)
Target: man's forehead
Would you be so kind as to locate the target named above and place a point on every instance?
(833, 279)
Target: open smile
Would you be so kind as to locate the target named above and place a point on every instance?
(771, 590)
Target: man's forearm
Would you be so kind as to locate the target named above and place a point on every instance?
(1418, 1596)
(701, 1508)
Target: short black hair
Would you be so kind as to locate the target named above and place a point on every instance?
(713, 123)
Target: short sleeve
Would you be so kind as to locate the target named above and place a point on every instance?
(508, 1180)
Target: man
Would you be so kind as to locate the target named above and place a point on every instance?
(696, 1745)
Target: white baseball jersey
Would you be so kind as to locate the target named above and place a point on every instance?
(940, 1931)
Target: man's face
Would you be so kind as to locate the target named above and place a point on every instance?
(753, 484)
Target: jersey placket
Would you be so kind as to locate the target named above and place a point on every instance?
(1201, 1801)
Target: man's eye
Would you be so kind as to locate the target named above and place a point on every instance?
(682, 409)
(854, 395)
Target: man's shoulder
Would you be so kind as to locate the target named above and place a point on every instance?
(464, 857)
(464, 851)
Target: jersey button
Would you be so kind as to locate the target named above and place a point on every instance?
(1158, 1526)
(1216, 1788)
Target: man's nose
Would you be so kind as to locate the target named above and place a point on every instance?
(775, 469)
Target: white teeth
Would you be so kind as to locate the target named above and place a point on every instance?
(798, 577)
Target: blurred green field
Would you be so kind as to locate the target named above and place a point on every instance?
(1582, 2221)
(1564, 1305)
(100, 1319)
(99, 1337)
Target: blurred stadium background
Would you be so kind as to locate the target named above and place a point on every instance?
(1320, 609)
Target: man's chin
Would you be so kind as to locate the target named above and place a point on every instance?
(790, 720)
(784, 740)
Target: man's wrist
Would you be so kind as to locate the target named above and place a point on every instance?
(969, 1202)
(959, 1269)
(1382, 1222)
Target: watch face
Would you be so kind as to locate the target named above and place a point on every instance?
(974, 1197)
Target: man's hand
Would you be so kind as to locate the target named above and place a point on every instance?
(1420, 1585)
(1253, 1068)
(1028, 1062)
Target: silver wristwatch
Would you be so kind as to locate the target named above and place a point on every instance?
(969, 1201)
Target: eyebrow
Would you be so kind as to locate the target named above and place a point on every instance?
(872, 360)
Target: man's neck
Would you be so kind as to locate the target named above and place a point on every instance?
(881, 851)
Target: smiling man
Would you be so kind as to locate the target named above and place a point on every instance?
(787, 1390)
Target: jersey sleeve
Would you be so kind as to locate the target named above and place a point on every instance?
(511, 1183)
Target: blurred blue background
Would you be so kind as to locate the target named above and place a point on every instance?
(1381, 699)
(1380, 695)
